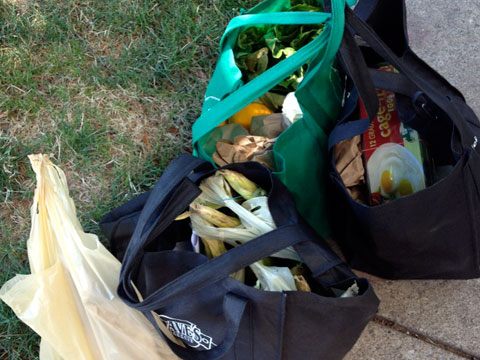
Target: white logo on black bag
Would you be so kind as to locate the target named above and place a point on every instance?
(188, 332)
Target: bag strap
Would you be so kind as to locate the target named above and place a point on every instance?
(172, 176)
(365, 8)
(273, 18)
(395, 82)
(247, 93)
(353, 128)
(222, 266)
(352, 59)
(443, 102)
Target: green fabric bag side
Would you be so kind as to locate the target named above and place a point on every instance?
(319, 96)
(301, 151)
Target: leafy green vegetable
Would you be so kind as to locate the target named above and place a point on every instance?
(256, 62)
(272, 100)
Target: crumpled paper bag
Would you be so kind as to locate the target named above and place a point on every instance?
(349, 164)
(245, 148)
(270, 126)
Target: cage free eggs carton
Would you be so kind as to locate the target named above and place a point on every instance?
(393, 152)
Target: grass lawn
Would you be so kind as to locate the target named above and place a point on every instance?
(110, 89)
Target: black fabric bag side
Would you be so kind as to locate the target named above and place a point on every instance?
(236, 321)
(432, 233)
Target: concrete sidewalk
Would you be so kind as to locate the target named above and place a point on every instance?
(433, 319)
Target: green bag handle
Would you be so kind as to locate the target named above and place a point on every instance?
(224, 108)
(227, 67)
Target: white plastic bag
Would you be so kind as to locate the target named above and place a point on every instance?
(70, 297)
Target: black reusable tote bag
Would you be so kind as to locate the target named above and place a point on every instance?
(432, 233)
(188, 297)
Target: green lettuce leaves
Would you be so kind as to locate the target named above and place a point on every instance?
(259, 48)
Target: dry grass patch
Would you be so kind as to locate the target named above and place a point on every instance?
(110, 89)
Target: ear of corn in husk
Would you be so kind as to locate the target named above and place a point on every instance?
(301, 283)
(298, 269)
(183, 216)
(239, 275)
(215, 227)
(241, 184)
(203, 199)
(233, 236)
(215, 217)
(352, 291)
(272, 278)
(259, 207)
(213, 248)
(216, 189)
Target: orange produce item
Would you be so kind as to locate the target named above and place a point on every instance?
(244, 116)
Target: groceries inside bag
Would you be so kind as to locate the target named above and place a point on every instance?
(70, 297)
(390, 159)
(232, 210)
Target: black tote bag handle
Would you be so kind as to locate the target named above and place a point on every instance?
(358, 71)
(351, 58)
(171, 178)
(221, 267)
(365, 8)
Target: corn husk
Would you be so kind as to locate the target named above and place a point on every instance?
(352, 291)
(241, 184)
(233, 236)
(215, 217)
(253, 223)
(272, 278)
(259, 207)
(301, 283)
(216, 189)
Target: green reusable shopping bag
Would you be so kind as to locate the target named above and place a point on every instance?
(300, 152)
